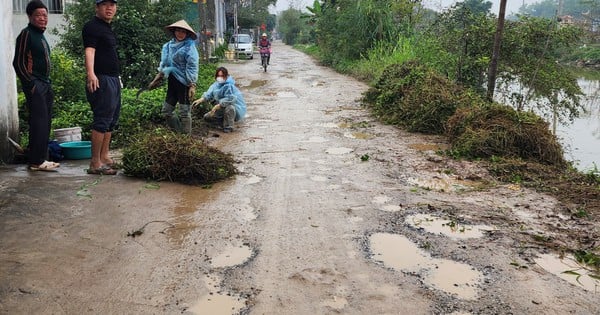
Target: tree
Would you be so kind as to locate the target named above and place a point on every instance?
(251, 14)
(291, 26)
(139, 25)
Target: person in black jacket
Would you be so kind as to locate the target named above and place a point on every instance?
(32, 65)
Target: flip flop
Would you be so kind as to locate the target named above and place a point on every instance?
(44, 167)
(112, 164)
(53, 163)
(102, 170)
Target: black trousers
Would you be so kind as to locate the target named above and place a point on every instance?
(39, 103)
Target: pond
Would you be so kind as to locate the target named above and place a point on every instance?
(581, 139)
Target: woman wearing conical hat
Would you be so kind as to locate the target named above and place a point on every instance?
(179, 64)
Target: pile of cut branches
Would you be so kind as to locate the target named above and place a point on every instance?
(161, 154)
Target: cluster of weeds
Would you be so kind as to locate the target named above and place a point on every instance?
(161, 154)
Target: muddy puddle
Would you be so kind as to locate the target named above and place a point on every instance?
(188, 203)
(231, 256)
(568, 269)
(448, 227)
(444, 183)
(399, 253)
(217, 302)
(384, 203)
(358, 135)
(338, 151)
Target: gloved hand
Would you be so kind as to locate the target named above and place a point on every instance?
(192, 91)
(215, 108)
(158, 79)
(198, 101)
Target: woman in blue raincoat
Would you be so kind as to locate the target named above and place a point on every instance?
(179, 63)
(230, 107)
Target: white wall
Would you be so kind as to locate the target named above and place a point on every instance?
(9, 121)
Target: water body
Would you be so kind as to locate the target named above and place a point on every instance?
(581, 139)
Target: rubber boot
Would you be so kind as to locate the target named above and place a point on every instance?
(228, 118)
(171, 120)
(186, 118)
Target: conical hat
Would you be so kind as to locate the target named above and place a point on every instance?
(182, 24)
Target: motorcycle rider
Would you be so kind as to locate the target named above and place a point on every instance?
(264, 46)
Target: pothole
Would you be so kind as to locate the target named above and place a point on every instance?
(443, 182)
(231, 256)
(315, 140)
(358, 135)
(256, 84)
(217, 303)
(338, 151)
(286, 94)
(399, 253)
(252, 179)
(567, 268)
(447, 227)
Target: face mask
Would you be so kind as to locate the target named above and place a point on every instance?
(220, 79)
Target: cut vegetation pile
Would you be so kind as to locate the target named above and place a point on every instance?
(164, 155)
(418, 99)
(500, 131)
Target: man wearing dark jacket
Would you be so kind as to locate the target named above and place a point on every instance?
(32, 65)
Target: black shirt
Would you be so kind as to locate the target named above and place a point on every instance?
(99, 35)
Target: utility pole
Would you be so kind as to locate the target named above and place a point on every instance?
(203, 39)
(495, 54)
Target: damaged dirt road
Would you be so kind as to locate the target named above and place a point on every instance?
(331, 213)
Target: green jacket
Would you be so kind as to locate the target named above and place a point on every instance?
(32, 57)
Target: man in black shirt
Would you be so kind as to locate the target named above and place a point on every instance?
(103, 84)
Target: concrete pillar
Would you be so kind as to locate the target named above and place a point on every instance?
(9, 116)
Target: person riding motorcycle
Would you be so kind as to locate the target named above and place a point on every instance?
(264, 46)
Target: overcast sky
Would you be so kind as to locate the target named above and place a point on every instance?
(511, 5)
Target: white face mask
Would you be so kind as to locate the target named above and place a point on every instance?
(220, 79)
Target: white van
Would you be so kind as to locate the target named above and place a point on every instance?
(242, 45)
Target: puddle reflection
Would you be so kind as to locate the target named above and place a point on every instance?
(570, 270)
(188, 203)
(399, 253)
(447, 227)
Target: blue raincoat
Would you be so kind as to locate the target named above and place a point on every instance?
(227, 94)
(181, 60)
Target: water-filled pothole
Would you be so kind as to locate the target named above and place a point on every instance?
(443, 182)
(338, 151)
(217, 303)
(358, 135)
(399, 253)
(232, 256)
(569, 269)
(448, 227)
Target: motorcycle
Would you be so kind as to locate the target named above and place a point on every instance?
(265, 52)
